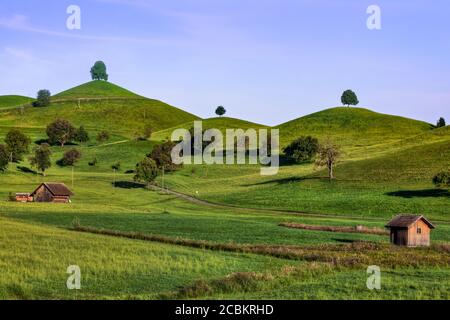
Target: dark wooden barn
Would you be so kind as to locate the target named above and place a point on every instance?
(52, 192)
(410, 230)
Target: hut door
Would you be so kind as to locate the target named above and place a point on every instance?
(393, 237)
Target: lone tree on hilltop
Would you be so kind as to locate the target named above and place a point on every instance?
(17, 144)
(41, 158)
(146, 171)
(220, 111)
(98, 71)
(60, 131)
(302, 149)
(349, 98)
(327, 156)
(43, 98)
(441, 123)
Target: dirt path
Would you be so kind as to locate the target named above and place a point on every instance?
(256, 210)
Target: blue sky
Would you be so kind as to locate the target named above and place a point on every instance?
(268, 61)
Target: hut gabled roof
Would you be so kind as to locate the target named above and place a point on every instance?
(406, 220)
(56, 189)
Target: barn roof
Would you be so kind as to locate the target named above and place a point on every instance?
(406, 220)
(56, 189)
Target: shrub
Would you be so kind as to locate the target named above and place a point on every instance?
(116, 166)
(103, 136)
(302, 149)
(442, 179)
(93, 163)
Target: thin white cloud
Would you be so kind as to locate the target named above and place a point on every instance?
(19, 54)
(21, 23)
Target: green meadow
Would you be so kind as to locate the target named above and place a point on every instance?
(157, 245)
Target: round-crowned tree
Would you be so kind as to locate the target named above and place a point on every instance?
(17, 144)
(60, 131)
(71, 157)
(41, 159)
(441, 123)
(146, 171)
(43, 98)
(98, 71)
(349, 98)
(220, 111)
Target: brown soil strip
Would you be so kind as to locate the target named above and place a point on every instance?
(357, 229)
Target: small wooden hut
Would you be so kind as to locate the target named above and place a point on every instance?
(410, 230)
(52, 192)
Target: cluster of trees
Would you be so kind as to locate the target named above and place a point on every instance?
(307, 148)
(159, 160)
(61, 132)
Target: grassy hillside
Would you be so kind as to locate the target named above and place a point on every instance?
(96, 89)
(34, 259)
(107, 107)
(386, 169)
(12, 101)
(352, 127)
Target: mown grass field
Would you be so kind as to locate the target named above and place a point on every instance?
(386, 169)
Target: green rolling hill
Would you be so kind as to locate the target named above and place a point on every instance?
(13, 101)
(101, 105)
(96, 89)
(352, 127)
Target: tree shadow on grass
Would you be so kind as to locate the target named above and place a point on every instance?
(345, 240)
(128, 185)
(26, 170)
(284, 181)
(41, 141)
(426, 193)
